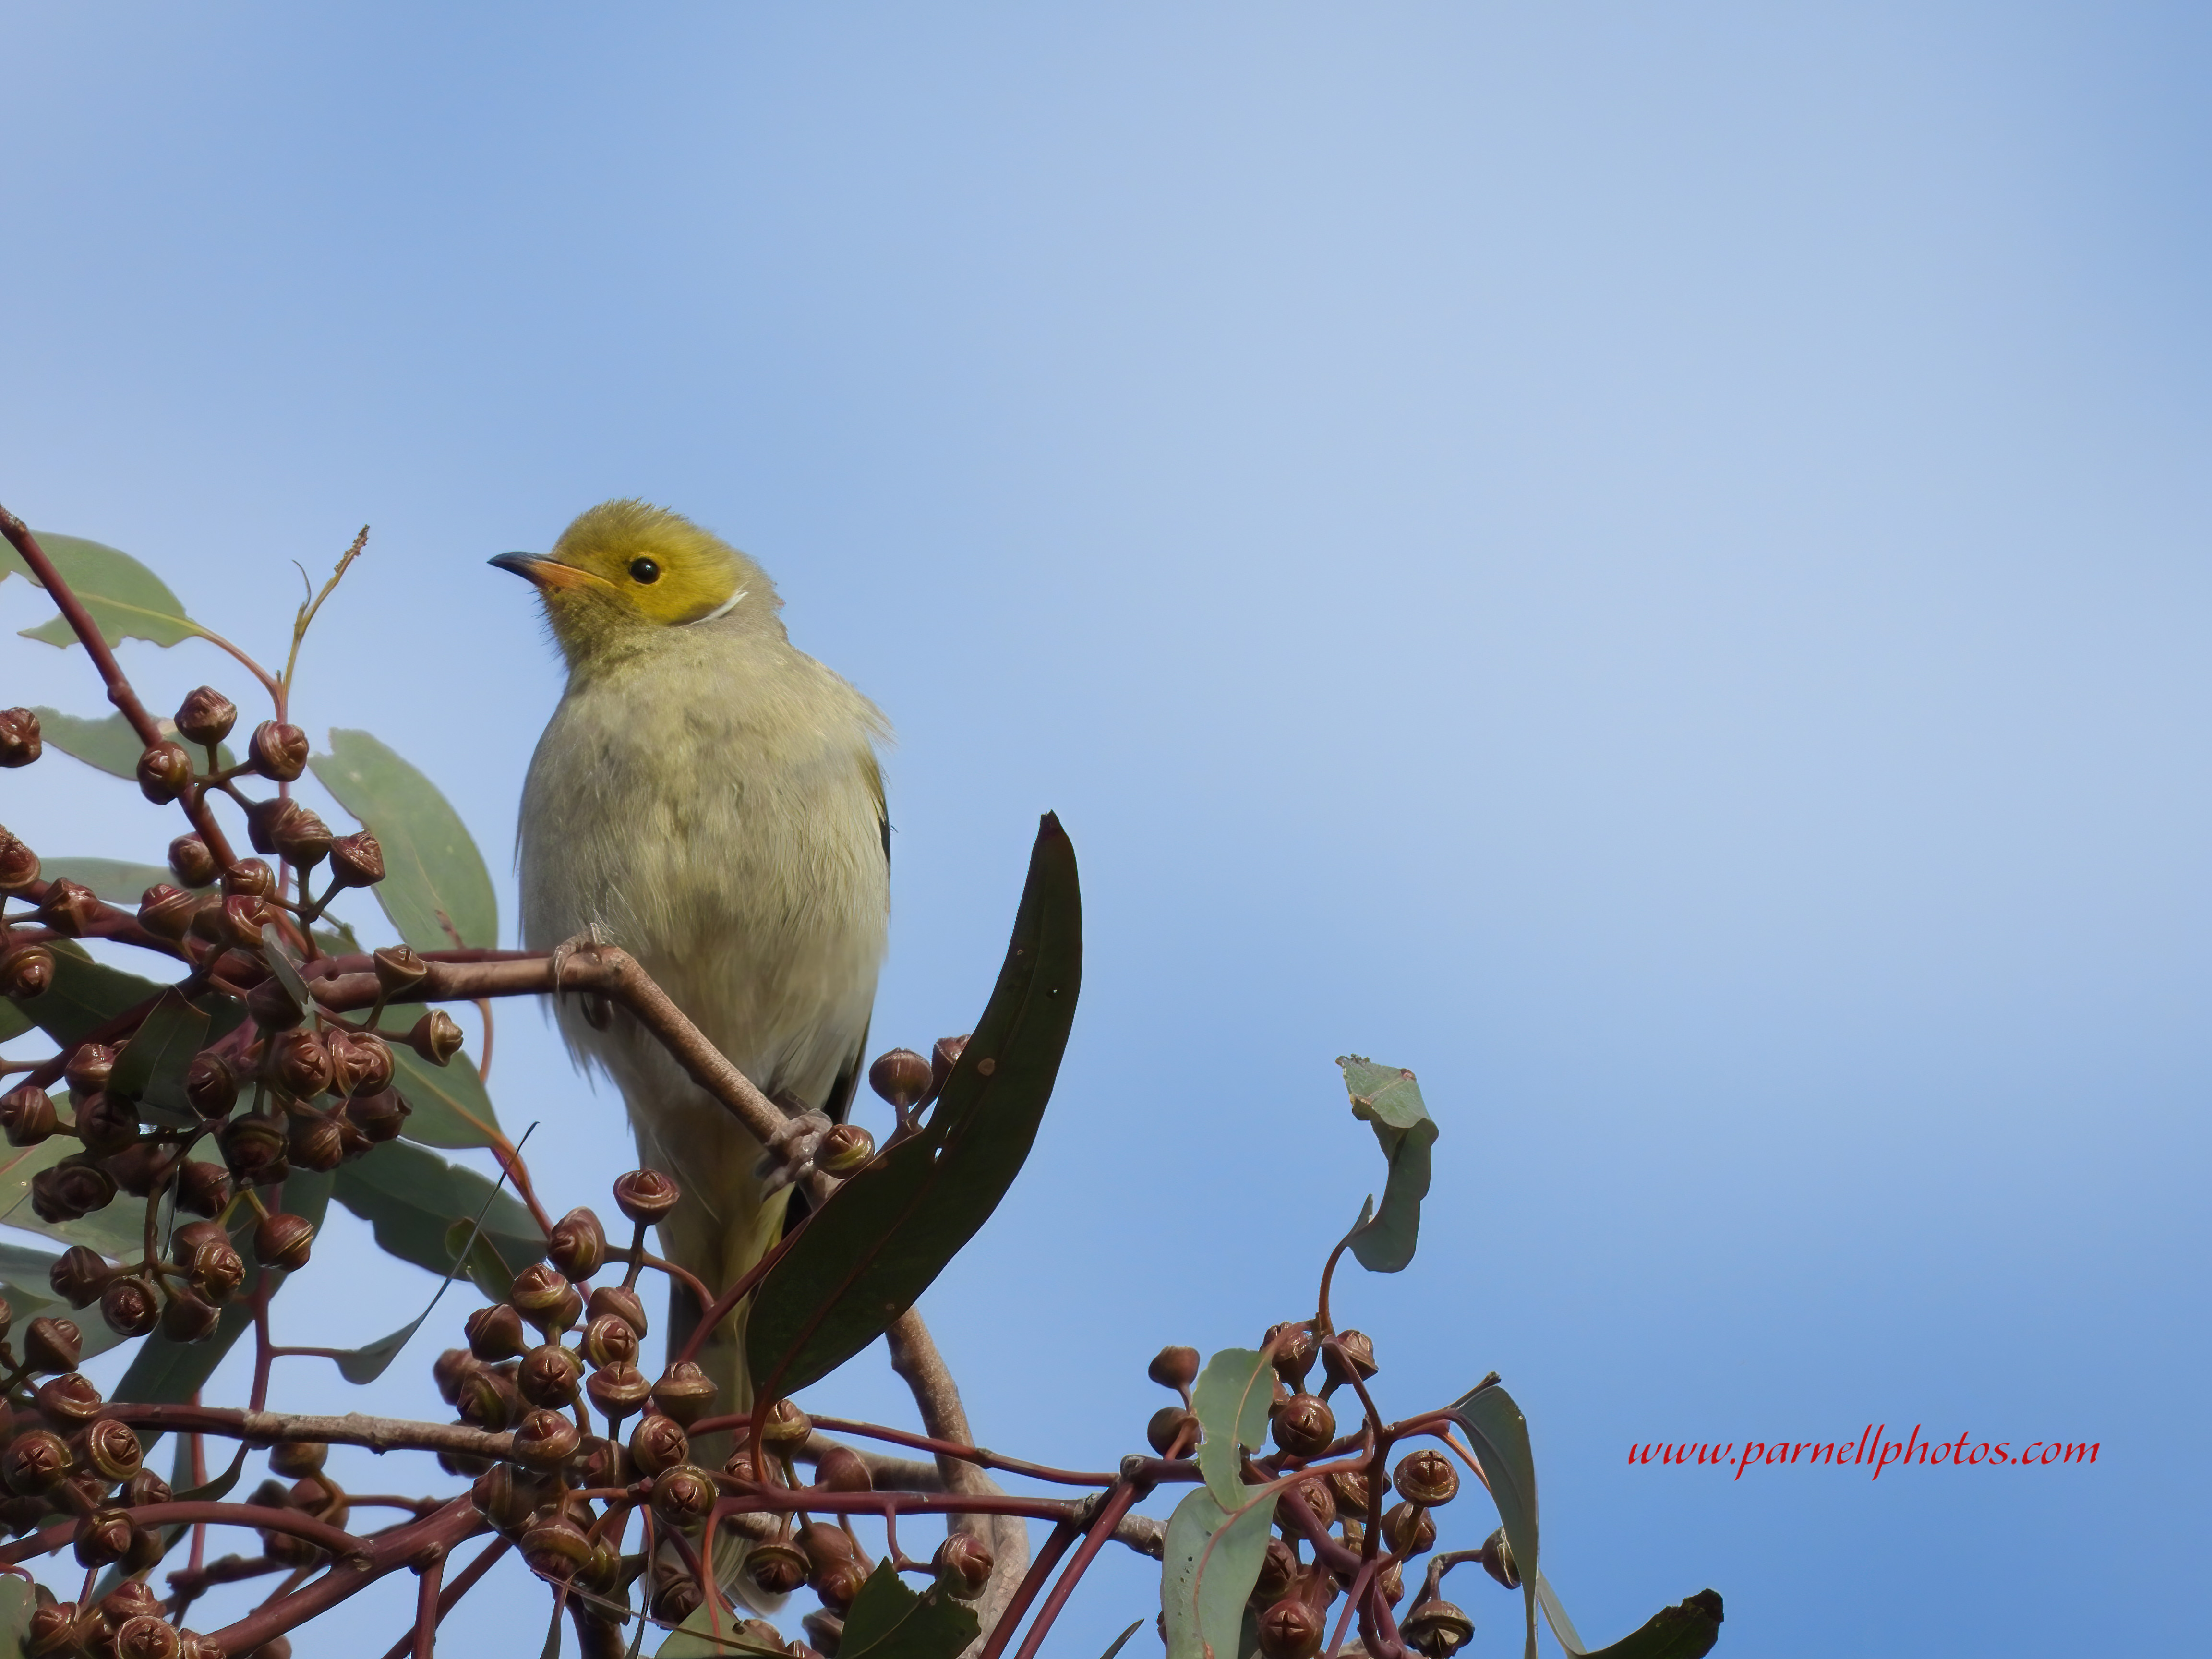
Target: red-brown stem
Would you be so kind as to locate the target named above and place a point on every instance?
(341, 1544)
(120, 691)
(1032, 1582)
(818, 1500)
(1109, 1516)
(979, 1455)
(444, 1527)
(425, 1606)
(450, 1597)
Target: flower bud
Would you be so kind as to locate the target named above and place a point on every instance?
(216, 1269)
(296, 1460)
(1318, 1500)
(283, 1240)
(79, 1274)
(273, 1006)
(361, 1062)
(436, 1036)
(645, 1195)
(68, 1399)
(166, 911)
(203, 1189)
(1174, 1368)
(19, 743)
(191, 862)
(658, 1442)
(609, 1340)
(52, 1632)
(578, 1245)
(127, 1602)
(549, 1376)
(685, 1392)
(787, 1427)
(1347, 1356)
(838, 1584)
(27, 1115)
(1294, 1350)
(112, 1449)
(540, 1294)
(146, 1487)
(317, 1141)
(186, 1318)
(26, 972)
(1290, 1630)
(1407, 1529)
(236, 924)
(70, 908)
(89, 1068)
(149, 1635)
(900, 1077)
(683, 1495)
(1279, 1569)
(495, 1334)
(303, 838)
(555, 1548)
(249, 879)
(1391, 1581)
(102, 1537)
(507, 1496)
(35, 1462)
(398, 970)
(106, 1124)
(1349, 1488)
(963, 1561)
(1497, 1560)
(1304, 1426)
(943, 1058)
(71, 1190)
(19, 865)
(277, 752)
(777, 1567)
(51, 1344)
(300, 1064)
(130, 1307)
(380, 1116)
(206, 716)
(618, 1389)
(210, 1085)
(165, 772)
(544, 1439)
(675, 1600)
(621, 1302)
(824, 1543)
(357, 861)
(264, 818)
(845, 1150)
(254, 1151)
(485, 1400)
(840, 1469)
(1436, 1629)
(1426, 1477)
(140, 1169)
(1171, 1427)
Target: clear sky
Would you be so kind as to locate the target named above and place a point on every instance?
(1648, 564)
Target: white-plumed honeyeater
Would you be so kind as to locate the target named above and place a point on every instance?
(707, 798)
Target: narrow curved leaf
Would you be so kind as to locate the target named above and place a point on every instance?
(410, 1197)
(877, 1244)
(1499, 1436)
(434, 875)
(1209, 1561)
(449, 1104)
(116, 880)
(1387, 1098)
(1122, 1640)
(1687, 1630)
(1231, 1400)
(127, 600)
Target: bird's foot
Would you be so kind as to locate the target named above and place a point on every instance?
(593, 939)
(789, 1157)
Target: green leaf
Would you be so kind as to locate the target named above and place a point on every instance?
(19, 1600)
(869, 1252)
(412, 1196)
(712, 1631)
(1499, 1436)
(111, 744)
(84, 995)
(1685, 1631)
(890, 1621)
(1122, 1640)
(127, 600)
(167, 1372)
(30, 1296)
(151, 1068)
(14, 1022)
(469, 1252)
(1208, 1564)
(116, 881)
(449, 1104)
(433, 873)
(117, 1230)
(1387, 1098)
(1231, 1400)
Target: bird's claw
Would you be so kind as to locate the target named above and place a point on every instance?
(789, 1157)
(592, 939)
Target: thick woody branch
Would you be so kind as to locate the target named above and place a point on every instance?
(377, 1434)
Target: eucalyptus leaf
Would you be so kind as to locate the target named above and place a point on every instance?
(1387, 1098)
(1122, 1640)
(433, 874)
(117, 1230)
(127, 601)
(1209, 1562)
(110, 744)
(412, 1196)
(1231, 1400)
(710, 1631)
(151, 1068)
(30, 1294)
(84, 995)
(19, 1600)
(14, 1022)
(1499, 1434)
(449, 1105)
(876, 1245)
(116, 880)
(1687, 1631)
(888, 1620)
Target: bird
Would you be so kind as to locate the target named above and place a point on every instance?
(710, 799)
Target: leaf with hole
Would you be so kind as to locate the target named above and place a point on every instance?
(433, 873)
(1388, 1098)
(126, 600)
(867, 1254)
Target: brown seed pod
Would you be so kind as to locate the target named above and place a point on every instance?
(900, 1077)
(1174, 1367)
(549, 1376)
(35, 1461)
(619, 1390)
(609, 1340)
(277, 752)
(621, 1301)
(1172, 1428)
(19, 865)
(51, 1344)
(27, 1115)
(314, 1141)
(217, 1271)
(787, 1427)
(80, 1274)
(943, 1058)
(645, 1195)
(1436, 1629)
(70, 908)
(1305, 1426)
(962, 1562)
(149, 1635)
(211, 1085)
(303, 838)
(658, 1442)
(683, 1495)
(238, 923)
(102, 1537)
(1318, 1499)
(71, 1190)
(106, 1124)
(578, 1245)
(1279, 1570)
(539, 1294)
(263, 817)
(838, 1584)
(255, 1150)
(20, 742)
(1294, 1350)
(283, 1240)
(1426, 1477)
(90, 1064)
(205, 716)
(844, 1151)
(675, 1600)
(68, 1399)
(1497, 1560)
(436, 1036)
(300, 1064)
(357, 861)
(191, 862)
(296, 1460)
(273, 1006)
(139, 1169)
(249, 879)
(1349, 1488)
(778, 1569)
(1407, 1529)
(1290, 1630)
(495, 1334)
(165, 772)
(111, 1448)
(146, 1487)
(166, 911)
(130, 1307)
(381, 1117)
(398, 969)
(685, 1392)
(555, 1547)
(1347, 1355)
(361, 1062)
(203, 1189)
(545, 1440)
(507, 1496)
(840, 1469)
(186, 1318)
(485, 1399)
(26, 972)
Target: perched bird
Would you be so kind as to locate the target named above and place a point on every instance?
(708, 798)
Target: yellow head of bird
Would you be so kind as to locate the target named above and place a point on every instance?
(625, 570)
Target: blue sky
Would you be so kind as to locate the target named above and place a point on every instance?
(1647, 563)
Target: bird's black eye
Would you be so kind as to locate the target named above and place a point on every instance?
(644, 570)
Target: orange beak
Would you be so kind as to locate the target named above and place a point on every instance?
(542, 572)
